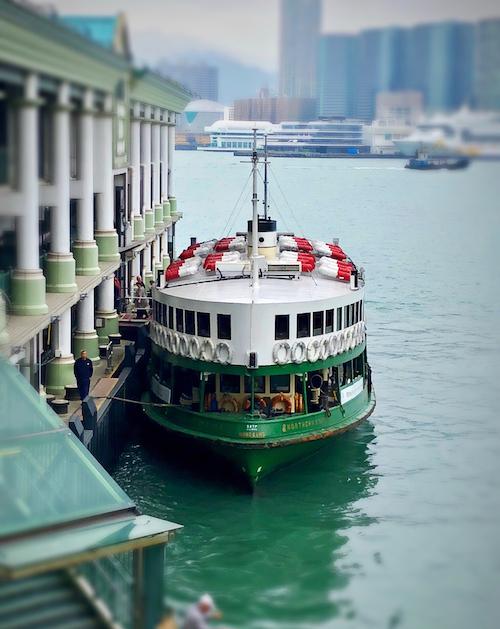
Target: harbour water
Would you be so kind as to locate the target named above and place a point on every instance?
(397, 523)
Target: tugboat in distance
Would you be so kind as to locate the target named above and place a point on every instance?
(424, 162)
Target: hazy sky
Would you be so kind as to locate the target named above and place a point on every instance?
(248, 29)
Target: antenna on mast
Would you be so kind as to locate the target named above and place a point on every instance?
(266, 203)
(255, 214)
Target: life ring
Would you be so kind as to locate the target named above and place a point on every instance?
(174, 342)
(162, 337)
(281, 353)
(207, 350)
(299, 352)
(223, 353)
(333, 345)
(324, 348)
(194, 348)
(229, 404)
(168, 340)
(259, 403)
(281, 402)
(313, 351)
(183, 345)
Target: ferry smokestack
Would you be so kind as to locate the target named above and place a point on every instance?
(267, 238)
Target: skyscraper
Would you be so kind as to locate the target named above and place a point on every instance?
(202, 80)
(337, 72)
(299, 32)
(487, 67)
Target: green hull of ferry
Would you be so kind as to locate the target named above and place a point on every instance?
(256, 447)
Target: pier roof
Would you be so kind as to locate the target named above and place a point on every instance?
(58, 504)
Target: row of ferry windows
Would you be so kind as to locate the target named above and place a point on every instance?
(320, 322)
(191, 322)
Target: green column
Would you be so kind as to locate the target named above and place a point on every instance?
(110, 325)
(27, 293)
(59, 374)
(60, 272)
(166, 211)
(158, 216)
(107, 244)
(149, 218)
(138, 227)
(149, 566)
(86, 256)
(173, 205)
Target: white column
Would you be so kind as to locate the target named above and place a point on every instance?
(106, 295)
(64, 334)
(155, 157)
(85, 213)
(28, 282)
(105, 235)
(85, 313)
(164, 157)
(60, 266)
(85, 248)
(106, 308)
(171, 148)
(146, 166)
(27, 229)
(135, 183)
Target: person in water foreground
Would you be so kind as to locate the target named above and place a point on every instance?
(199, 615)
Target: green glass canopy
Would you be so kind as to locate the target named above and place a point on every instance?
(47, 477)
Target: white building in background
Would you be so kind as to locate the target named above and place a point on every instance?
(199, 114)
(86, 188)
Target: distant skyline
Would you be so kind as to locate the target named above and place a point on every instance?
(248, 31)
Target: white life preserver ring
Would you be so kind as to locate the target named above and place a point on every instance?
(223, 353)
(168, 340)
(194, 348)
(313, 351)
(281, 353)
(152, 331)
(174, 342)
(342, 341)
(207, 350)
(161, 337)
(299, 352)
(333, 345)
(183, 345)
(324, 348)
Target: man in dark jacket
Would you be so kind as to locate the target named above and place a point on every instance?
(83, 372)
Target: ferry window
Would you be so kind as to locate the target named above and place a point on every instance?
(189, 324)
(279, 384)
(346, 316)
(282, 327)
(171, 317)
(179, 320)
(164, 318)
(339, 318)
(259, 384)
(303, 324)
(318, 322)
(224, 326)
(347, 373)
(361, 310)
(229, 383)
(203, 320)
(328, 321)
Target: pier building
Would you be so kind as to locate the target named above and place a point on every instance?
(86, 185)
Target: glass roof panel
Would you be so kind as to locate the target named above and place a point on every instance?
(47, 477)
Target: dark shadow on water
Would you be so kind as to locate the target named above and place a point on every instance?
(278, 555)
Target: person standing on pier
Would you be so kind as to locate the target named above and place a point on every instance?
(83, 371)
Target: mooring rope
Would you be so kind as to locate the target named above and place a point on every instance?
(123, 399)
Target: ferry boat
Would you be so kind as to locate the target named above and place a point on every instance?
(259, 345)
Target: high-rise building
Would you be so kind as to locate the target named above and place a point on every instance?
(275, 109)
(201, 80)
(337, 71)
(487, 65)
(299, 34)
(440, 63)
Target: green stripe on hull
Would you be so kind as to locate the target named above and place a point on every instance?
(257, 448)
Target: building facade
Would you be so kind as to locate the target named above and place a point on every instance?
(487, 65)
(337, 68)
(201, 79)
(86, 189)
(300, 22)
(275, 109)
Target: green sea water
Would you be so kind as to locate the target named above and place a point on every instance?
(396, 524)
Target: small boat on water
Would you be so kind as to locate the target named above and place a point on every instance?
(259, 345)
(423, 162)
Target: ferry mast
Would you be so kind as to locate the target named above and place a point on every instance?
(255, 215)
